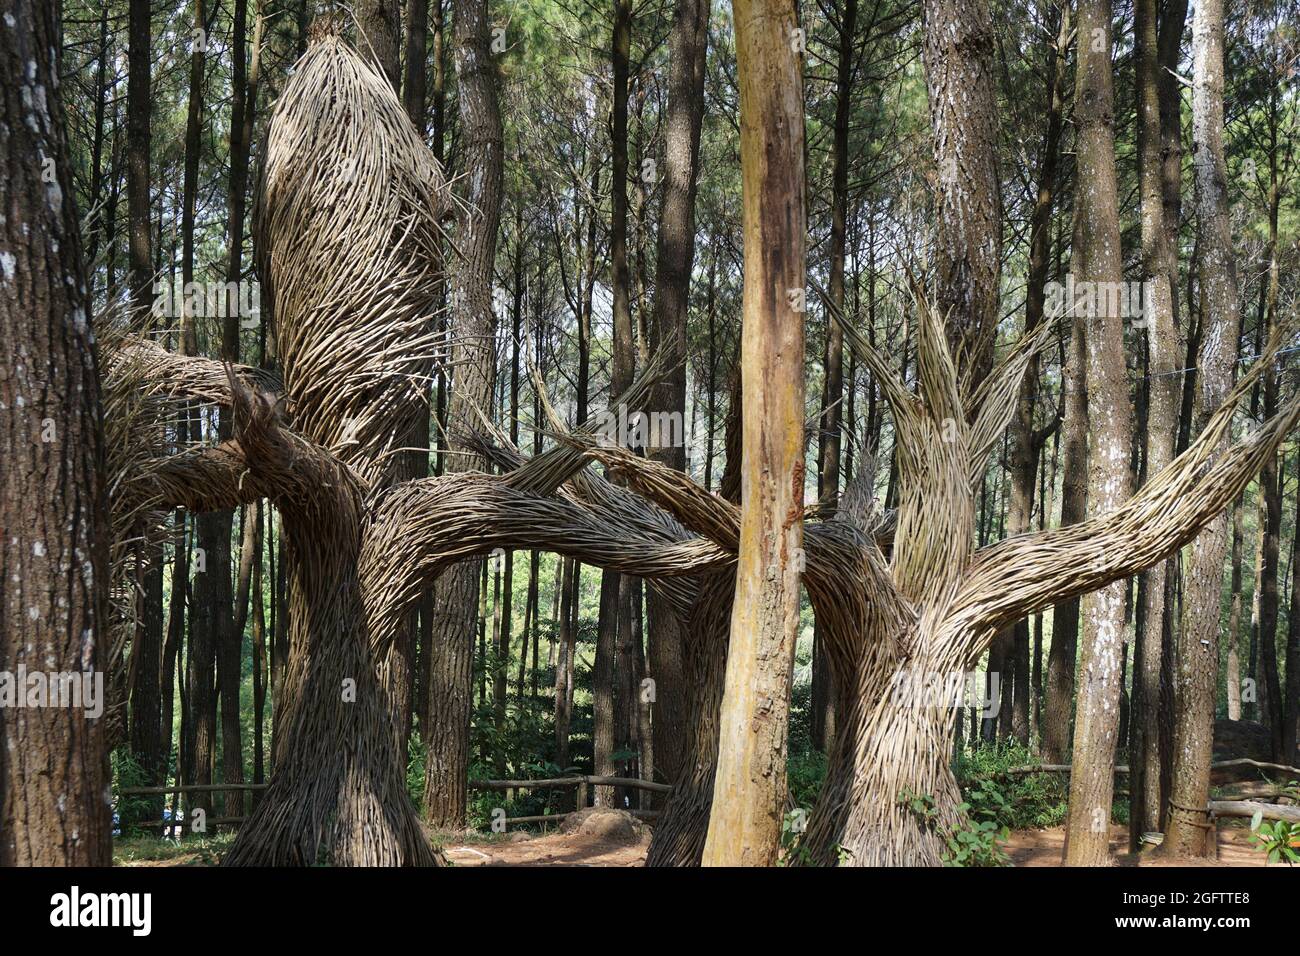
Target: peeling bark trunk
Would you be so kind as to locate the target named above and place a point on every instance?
(750, 784)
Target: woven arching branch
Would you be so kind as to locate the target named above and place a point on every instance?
(1021, 575)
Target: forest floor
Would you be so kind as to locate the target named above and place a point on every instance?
(605, 840)
(1045, 848)
(594, 837)
(1025, 847)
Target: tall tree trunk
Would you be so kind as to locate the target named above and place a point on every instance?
(1026, 441)
(54, 773)
(456, 593)
(674, 263)
(260, 673)
(566, 647)
(1232, 659)
(139, 102)
(958, 53)
(146, 728)
(210, 618)
(417, 39)
(613, 593)
(1280, 705)
(244, 79)
(823, 703)
(1074, 484)
(1110, 430)
(1159, 271)
(379, 37)
(749, 789)
(1197, 654)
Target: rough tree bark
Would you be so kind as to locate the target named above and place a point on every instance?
(1197, 648)
(1165, 350)
(958, 52)
(675, 256)
(1110, 430)
(455, 601)
(54, 774)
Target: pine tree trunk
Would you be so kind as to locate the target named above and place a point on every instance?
(1065, 616)
(457, 591)
(54, 772)
(1160, 268)
(1110, 430)
(675, 256)
(1196, 660)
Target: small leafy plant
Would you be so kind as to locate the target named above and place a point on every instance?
(978, 840)
(1279, 840)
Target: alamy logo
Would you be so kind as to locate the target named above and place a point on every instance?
(638, 429)
(1091, 300)
(76, 909)
(209, 300)
(78, 691)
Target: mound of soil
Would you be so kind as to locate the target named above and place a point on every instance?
(606, 825)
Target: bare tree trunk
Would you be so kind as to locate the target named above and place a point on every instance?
(417, 38)
(1026, 440)
(750, 785)
(146, 727)
(1065, 616)
(958, 53)
(210, 617)
(260, 673)
(138, 106)
(54, 773)
(1232, 662)
(1160, 270)
(674, 261)
(1197, 656)
(379, 36)
(823, 703)
(456, 593)
(566, 647)
(1110, 430)
(244, 80)
(613, 591)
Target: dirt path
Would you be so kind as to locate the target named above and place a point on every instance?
(1026, 848)
(1045, 848)
(555, 849)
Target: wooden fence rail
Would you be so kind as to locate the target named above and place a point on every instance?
(582, 782)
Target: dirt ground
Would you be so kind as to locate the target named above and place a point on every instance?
(1044, 848)
(1026, 848)
(610, 838)
(555, 849)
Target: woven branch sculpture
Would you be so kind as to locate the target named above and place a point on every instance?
(347, 225)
